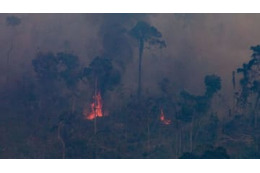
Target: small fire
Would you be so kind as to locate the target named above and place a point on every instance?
(163, 120)
(96, 108)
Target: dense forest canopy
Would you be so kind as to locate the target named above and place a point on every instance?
(129, 86)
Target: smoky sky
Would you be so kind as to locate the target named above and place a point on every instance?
(197, 44)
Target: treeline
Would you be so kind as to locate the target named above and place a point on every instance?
(43, 116)
(52, 124)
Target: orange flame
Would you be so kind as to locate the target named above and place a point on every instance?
(163, 120)
(96, 108)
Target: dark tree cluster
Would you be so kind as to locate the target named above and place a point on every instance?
(44, 114)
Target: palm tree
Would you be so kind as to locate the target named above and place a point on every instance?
(144, 33)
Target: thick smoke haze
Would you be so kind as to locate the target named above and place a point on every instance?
(129, 85)
(197, 44)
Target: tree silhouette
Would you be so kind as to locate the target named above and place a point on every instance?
(46, 68)
(144, 33)
(101, 74)
(55, 73)
(51, 69)
(192, 107)
(69, 72)
(250, 82)
(213, 84)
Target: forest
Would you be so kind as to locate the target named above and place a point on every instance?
(62, 106)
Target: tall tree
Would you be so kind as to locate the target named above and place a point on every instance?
(144, 33)
(56, 73)
(54, 68)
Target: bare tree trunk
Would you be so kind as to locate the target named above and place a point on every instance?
(95, 126)
(8, 63)
(95, 120)
(73, 104)
(40, 104)
(256, 111)
(95, 106)
(180, 144)
(126, 129)
(148, 136)
(61, 140)
(141, 48)
(176, 145)
(234, 80)
(191, 133)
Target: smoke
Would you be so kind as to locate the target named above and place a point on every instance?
(47, 33)
(200, 44)
(197, 44)
(115, 40)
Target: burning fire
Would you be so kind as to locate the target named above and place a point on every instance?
(163, 120)
(96, 108)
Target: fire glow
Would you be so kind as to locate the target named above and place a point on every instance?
(163, 120)
(96, 107)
